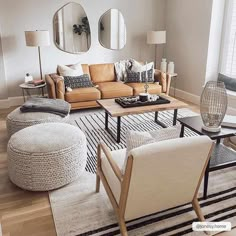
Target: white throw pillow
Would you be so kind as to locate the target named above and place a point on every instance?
(136, 139)
(137, 67)
(165, 134)
(74, 70)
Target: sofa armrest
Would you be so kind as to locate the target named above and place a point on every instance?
(164, 79)
(50, 86)
(56, 83)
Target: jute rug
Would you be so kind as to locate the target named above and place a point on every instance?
(78, 210)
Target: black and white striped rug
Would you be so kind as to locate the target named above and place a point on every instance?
(79, 211)
(93, 127)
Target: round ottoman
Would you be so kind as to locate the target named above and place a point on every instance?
(46, 156)
(17, 120)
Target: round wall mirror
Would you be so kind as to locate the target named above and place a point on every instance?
(112, 30)
(71, 29)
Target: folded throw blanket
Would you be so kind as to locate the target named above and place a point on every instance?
(54, 106)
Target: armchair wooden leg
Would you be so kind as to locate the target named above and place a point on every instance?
(197, 209)
(123, 229)
(199, 214)
(97, 183)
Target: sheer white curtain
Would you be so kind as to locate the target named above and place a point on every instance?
(228, 55)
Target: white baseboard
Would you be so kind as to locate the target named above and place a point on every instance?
(11, 102)
(186, 96)
(196, 99)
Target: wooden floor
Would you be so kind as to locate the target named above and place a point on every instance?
(25, 213)
(22, 213)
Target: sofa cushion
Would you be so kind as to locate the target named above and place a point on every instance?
(85, 68)
(154, 88)
(102, 73)
(230, 82)
(73, 70)
(114, 89)
(140, 67)
(82, 94)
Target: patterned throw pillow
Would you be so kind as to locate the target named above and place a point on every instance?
(133, 77)
(82, 81)
(136, 139)
(150, 76)
(139, 77)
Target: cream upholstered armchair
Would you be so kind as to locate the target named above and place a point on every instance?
(150, 175)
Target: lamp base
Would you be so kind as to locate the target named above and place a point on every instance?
(210, 129)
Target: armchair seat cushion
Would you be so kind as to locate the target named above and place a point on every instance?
(82, 95)
(138, 88)
(114, 89)
(119, 157)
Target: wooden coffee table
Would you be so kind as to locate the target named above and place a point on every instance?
(113, 109)
(222, 156)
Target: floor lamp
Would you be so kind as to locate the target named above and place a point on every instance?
(156, 37)
(38, 39)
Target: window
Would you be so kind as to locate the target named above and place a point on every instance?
(228, 55)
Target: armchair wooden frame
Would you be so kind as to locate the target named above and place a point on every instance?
(124, 180)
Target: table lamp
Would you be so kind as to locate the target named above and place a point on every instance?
(156, 37)
(38, 39)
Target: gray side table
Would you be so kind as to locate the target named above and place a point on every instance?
(27, 87)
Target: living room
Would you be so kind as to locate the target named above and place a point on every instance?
(48, 182)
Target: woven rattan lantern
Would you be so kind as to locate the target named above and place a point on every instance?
(213, 105)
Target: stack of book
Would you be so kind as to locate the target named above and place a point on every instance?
(36, 82)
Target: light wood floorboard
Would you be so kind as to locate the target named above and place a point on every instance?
(24, 213)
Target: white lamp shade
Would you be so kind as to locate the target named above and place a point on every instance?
(156, 37)
(37, 38)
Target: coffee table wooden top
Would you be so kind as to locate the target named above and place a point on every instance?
(114, 109)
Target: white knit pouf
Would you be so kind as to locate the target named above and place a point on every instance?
(17, 120)
(46, 156)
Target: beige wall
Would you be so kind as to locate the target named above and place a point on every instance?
(140, 16)
(188, 29)
(3, 84)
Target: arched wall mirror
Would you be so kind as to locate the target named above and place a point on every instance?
(112, 30)
(71, 29)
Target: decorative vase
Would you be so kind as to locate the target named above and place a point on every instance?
(213, 105)
(171, 67)
(28, 78)
(163, 65)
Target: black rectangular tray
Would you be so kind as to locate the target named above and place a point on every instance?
(125, 104)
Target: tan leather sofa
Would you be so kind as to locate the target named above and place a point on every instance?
(104, 76)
